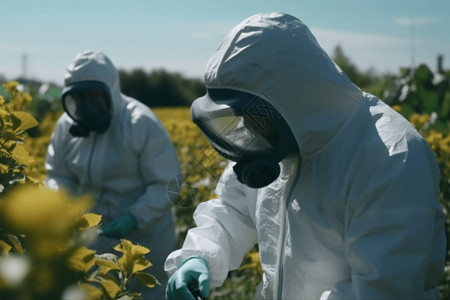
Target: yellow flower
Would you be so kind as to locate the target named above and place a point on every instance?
(21, 155)
(4, 114)
(41, 211)
(4, 169)
(397, 108)
(26, 98)
(434, 139)
(11, 87)
(419, 120)
(81, 259)
(445, 144)
(133, 257)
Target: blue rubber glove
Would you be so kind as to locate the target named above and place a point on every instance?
(190, 281)
(120, 226)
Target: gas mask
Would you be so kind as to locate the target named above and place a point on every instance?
(89, 104)
(245, 129)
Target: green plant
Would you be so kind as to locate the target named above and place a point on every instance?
(420, 91)
(424, 99)
(107, 276)
(44, 233)
(13, 123)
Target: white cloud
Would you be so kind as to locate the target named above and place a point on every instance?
(382, 52)
(330, 38)
(416, 21)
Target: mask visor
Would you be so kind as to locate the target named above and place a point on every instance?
(230, 130)
(87, 101)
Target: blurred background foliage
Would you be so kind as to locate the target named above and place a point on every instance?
(419, 94)
(44, 233)
(160, 88)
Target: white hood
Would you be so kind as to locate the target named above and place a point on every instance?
(94, 65)
(276, 57)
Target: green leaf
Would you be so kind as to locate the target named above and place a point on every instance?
(128, 248)
(15, 243)
(4, 248)
(87, 220)
(429, 100)
(26, 121)
(440, 126)
(444, 112)
(11, 137)
(109, 284)
(15, 122)
(106, 265)
(83, 259)
(131, 254)
(423, 74)
(147, 279)
(407, 110)
(21, 155)
(141, 264)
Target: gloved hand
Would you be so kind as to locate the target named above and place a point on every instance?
(120, 226)
(190, 281)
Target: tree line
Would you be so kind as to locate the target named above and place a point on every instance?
(160, 88)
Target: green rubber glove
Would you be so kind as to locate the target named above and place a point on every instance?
(120, 226)
(190, 281)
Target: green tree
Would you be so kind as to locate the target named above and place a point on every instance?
(368, 80)
(160, 88)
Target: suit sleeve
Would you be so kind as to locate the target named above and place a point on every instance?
(225, 231)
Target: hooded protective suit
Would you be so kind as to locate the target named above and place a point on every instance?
(357, 217)
(126, 169)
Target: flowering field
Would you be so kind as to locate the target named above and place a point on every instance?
(39, 254)
(65, 265)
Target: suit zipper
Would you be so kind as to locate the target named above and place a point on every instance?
(91, 154)
(283, 224)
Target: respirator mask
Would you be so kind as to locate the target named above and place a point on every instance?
(89, 104)
(248, 130)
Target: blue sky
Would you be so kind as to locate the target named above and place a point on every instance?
(180, 36)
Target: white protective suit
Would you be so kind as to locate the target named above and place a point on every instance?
(126, 169)
(357, 217)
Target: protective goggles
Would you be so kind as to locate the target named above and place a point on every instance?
(87, 100)
(241, 125)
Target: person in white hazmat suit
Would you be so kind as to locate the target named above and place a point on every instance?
(114, 148)
(339, 191)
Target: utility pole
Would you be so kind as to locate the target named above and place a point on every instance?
(440, 64)
(24, 66)
(413, 46)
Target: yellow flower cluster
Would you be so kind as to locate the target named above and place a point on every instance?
(419, 120)
(44, 215)
(20, 99)
(397, 108)
(439, 143)
(441, 147)
(13, 124)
